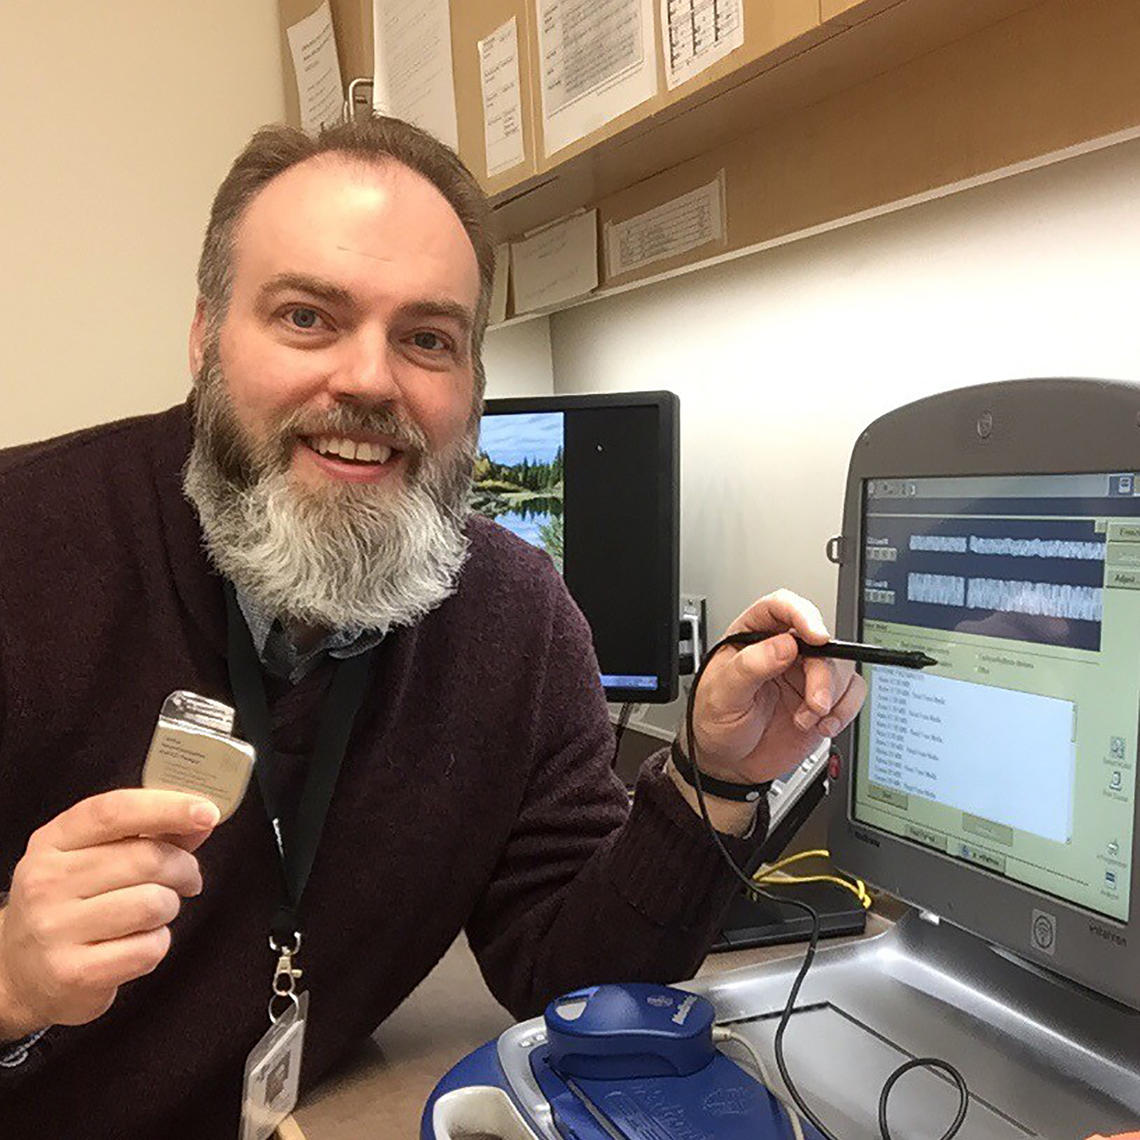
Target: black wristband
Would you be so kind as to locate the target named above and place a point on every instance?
(722, 789)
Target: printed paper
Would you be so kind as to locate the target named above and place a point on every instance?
(674, 227)
(556, 264)
(412, 76)
(313, 47)
(502, 98)
(499, 283)
(598, 61)
(696, 33)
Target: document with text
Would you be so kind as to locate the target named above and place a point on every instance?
(696, 33)
(412, 76)
(677, 226)
(598, 60)
(502, 98)
(319, 90)
(556, 264)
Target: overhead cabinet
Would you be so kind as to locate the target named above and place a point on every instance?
(696, 128)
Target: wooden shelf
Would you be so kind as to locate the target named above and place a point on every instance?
(830, 59)
(913, 96)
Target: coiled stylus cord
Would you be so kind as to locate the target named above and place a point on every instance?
(809, 955)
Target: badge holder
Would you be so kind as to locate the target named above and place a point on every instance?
(273, 1068)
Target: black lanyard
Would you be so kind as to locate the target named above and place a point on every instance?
(297, 837)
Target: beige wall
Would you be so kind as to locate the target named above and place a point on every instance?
(119, 119)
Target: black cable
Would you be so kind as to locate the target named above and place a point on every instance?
(743, 639)
(925, 1063)
(622, 721)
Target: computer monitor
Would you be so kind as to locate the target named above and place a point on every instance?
(997, 529)
(592, 480)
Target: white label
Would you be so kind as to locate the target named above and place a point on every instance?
(597, 62)
(502, 98)
(319, 90)
(674, 227)
(412, 77)
(556, 264)
(696, 33)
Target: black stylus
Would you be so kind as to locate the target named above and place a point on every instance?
(868, 654)
(848, 651)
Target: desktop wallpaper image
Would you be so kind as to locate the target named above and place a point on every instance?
(519, 474)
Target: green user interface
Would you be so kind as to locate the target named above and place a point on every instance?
(1017, 753)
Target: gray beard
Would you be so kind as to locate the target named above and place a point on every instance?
(341, 556)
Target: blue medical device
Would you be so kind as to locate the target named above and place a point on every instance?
(632, 1061)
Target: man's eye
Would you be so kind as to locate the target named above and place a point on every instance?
(429, 341)
(303, 318)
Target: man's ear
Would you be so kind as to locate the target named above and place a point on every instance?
(198, 338)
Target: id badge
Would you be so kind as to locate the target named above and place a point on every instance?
(273, 1073)
(192, 750)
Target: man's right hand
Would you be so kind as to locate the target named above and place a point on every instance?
(90, 902)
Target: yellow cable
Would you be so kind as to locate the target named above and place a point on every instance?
(860, 892)
(858, 889)
(788, 860)
(774, 873)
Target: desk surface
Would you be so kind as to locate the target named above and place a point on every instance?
(382, 1088)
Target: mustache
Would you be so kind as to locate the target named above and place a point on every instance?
(346, 419)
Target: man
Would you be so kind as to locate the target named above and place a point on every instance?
(310, 500)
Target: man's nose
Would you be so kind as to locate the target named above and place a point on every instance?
(365, 371)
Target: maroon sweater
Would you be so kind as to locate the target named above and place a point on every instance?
(476, 792)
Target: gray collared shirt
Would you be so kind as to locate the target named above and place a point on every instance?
(280, 656)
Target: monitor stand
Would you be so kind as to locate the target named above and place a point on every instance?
(1041, 1056)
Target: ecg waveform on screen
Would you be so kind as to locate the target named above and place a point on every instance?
(939, 543)
(1047, 599)
(1083, 603)
(937, 589)
(1008, 547)
(954, 565)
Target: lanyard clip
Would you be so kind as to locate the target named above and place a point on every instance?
(284, 976)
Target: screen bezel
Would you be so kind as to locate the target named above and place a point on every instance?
(1028, 427)
(666, 508)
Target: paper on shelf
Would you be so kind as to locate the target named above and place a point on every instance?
(319, 90)
(502, 98)
(598, 60)
(696, 33)
(686, 222)
(412, 77)
(498, 310)
(556, 264)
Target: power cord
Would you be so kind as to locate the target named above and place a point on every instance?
(724, 1033)
(742, 639)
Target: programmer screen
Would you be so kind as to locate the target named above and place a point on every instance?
(584, 484)
(1017, 752)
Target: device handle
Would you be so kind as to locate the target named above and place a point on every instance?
(478, 1110)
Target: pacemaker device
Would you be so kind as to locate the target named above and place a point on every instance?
(997, 530)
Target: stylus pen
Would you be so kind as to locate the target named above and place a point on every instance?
(867, 654)
(847, 651)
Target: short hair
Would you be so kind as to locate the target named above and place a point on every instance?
(374, 139)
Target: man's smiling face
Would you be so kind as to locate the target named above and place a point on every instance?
(335, 399)
(346, 346)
